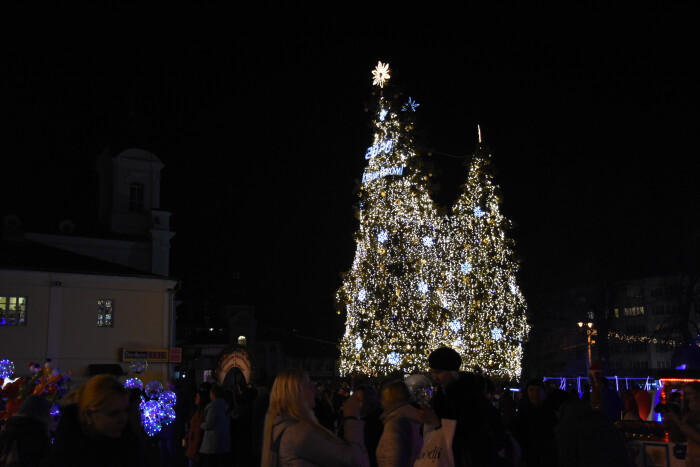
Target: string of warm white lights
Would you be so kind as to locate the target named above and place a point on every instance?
(643, 339)
(421, 279)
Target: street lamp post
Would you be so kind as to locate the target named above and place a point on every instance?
(589, 332)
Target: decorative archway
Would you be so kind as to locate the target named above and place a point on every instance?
(234, 362)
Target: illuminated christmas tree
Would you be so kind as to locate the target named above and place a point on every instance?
(416, 281)
(488, 308)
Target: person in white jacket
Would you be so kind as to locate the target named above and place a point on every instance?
(401, 440)
(293, 437)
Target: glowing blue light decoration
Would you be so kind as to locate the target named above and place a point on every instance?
(134, 383)
(455, 326)
(361, 295)
(383, 147)
(478, 212)
(410, 105)
(7, 368)
(153, 389)
(383, 236)
(149, 417)
(466, 267)
(428, 241)
(513, 289)
(497, 334)
(358, 344)
(444, 303)
(393, 358)
(167, 398)
(458, 342)
(159, 410)
(423, 287)
(382, 114)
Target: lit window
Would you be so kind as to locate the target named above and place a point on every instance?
(241, 340)
(13, 311)
(105, 313)
(136, 197)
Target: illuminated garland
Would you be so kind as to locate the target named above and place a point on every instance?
(644, 339)
(420, 279)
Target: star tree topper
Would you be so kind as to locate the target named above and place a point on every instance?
(380, 74)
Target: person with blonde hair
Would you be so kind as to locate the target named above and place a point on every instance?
(92, 430)
(293, 437)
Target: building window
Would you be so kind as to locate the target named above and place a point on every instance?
(105, 313)
(13, 311)
(634, 311)
(136, 197)
(241, 340)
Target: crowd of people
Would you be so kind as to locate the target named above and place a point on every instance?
(466, 421)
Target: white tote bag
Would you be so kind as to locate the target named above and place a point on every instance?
(437, 445)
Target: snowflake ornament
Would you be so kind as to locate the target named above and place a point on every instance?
(383, 236)
(466, 267)
(410, 105)
(393, 358)
(428, 241)
(455, 326)
(423, 287)
(478, 212)
(380, 75)
(358, 344)
(361, 295)
(382, 114)
(497, 334)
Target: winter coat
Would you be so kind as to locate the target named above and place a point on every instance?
(479, 436)
(217, 428)
(401, 440)
(194, 436)
(73, 447)
(303, 444)
(587, 438)
(28, 437)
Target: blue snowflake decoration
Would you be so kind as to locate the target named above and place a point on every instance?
(455, 326)
(428, 241)
(513, 289)
(478, 212)
(382, 115)
(458, 342)
(382, 236)
(444, 302)
(497, 334)
(423, 287)
(393, 358)
(7, 369)
(466, 267)
(358, 344)
(410, 105)
(361, 295)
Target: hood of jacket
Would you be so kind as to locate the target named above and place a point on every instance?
(400, 409)
(217, 404)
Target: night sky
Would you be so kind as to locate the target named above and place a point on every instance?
(259, 118)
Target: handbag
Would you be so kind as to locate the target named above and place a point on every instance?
(437, 445)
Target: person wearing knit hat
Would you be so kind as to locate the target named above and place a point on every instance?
(444, 366)
(461, 396)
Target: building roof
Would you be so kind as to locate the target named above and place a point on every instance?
(27, 255)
